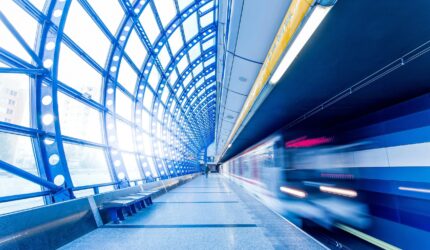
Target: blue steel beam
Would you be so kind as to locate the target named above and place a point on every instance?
(28, 176)
(22, 71)
(15, 61)
(52, 159)
(23, 196)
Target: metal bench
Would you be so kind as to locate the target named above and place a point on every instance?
(115, 209)
(131, 204)
(141, 200)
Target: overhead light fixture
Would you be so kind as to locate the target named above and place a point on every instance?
(316, 17)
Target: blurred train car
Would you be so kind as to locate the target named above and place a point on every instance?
(369, 177)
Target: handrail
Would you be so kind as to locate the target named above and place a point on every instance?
(28, 176)
(95, 187)
(23, 196)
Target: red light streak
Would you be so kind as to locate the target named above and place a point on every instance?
(303, 142)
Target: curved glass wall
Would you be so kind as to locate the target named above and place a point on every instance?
(97, 95)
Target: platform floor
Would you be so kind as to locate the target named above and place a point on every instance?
(204, 213)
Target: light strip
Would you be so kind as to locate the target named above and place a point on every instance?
(368, 238)
(338, 191)
(419, 190)
(314, 20)
(294, 192)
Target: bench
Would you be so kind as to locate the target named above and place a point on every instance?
(130, 203)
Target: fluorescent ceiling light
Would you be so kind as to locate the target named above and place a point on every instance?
(317, 16)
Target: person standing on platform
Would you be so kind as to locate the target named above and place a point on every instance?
(207, 171)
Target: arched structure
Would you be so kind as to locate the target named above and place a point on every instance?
(103, 94)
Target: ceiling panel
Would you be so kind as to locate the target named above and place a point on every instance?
(243, 75)
(259, 23)
(235, 101)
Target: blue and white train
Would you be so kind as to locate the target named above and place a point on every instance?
(369, 177)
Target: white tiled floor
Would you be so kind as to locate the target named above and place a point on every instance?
(201, 214)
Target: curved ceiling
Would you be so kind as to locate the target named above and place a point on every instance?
(365, 55)
(133, 79)
(247, 29)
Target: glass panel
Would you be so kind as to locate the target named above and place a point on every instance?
(147, 142)
(4, 65)
(210, 75)
(210, 85)
(88, 81)
(190, 27)
(209, 61)
(159, 131)
(124, 105)
(131, 166)
(184, 3)
(173, 78)
(84, 193)
(135, 49)
(165, 95)
(125, 136)
(84, 31)
(12, 206)
(206, 19)
(109, 11)
(149, 24)
(17, 151)
(127, 77)
(15, 99)
(198, 69)
(209, 43)
(189, 93)
(106, 189)
(79, 120)
(207, 6)
(193, 101)
(166, 10)
(152, 167)
(89, 192)
(146, 121)
(39, 4)
(154, 78)
(23, 23)
(147, 99)
(172, 107)
(187, 80)
(194, 52)
(87, 165)
(179, 92)
(183, 63)
(164, 57)
(175, 41)
(160, 113)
